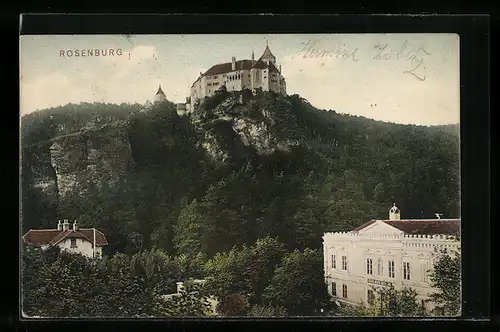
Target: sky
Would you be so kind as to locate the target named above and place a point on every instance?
(400, 78)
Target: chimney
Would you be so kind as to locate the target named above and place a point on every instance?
(280, 69)
(233, 64)
(59, 225)
(66, 225)
(75, 226)
(253, 57)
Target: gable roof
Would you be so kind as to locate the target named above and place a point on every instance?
(227, 67)
(420, 226)
(53, 236)
(223, 68)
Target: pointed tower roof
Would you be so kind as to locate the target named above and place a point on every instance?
(160, 91)
(267, 52)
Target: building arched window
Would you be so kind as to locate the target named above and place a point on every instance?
(380, 267)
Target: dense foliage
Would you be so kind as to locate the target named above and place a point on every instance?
(447, 278)
(243, 219)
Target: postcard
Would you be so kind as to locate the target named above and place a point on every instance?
(278, 175)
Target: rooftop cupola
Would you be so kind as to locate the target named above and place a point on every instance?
(160, 95)
(394, 213)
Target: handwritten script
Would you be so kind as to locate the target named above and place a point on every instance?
(311, 49)
(414, 55)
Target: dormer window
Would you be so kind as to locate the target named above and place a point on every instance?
(73, 242)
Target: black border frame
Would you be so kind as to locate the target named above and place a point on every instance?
(475, 144)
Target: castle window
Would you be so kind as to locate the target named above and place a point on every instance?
(334, 289)
(73, 242)
(344, 291)
(215, 76)
(344, 263)
(333, 262)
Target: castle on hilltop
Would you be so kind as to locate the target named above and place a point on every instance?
(252, 74)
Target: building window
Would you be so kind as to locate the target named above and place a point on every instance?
(344, 291)
(369, 266)
(334, 289)
(391, 269)
(371, 297)
(215, 76)
(265, 77)
(334, 264)
(425, 268)
(344, 263)
(380, 268)
(406, 270)
(73, 242)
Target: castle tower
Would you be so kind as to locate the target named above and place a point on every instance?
(160, 95)
(394, 213)
(268, 56)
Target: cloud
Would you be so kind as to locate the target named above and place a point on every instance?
(49, 91)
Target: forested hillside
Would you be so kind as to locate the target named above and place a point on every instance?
(240, 168)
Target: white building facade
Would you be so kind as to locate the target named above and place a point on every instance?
(385, 253)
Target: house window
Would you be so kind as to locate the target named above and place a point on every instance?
(344, 263)
(406, 270)
(215, 76)
(369, 266)
(344, 291)
(334, 264)
(380, 267)
(371, 297)
(334, 289)
(73, 242)
(391, 269)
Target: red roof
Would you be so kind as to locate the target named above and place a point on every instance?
(53, 236)
(421, 226)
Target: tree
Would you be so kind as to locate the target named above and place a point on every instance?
(267, 311)
(225, 272)
(235, 304)
(388, 302)
(192, 301)
(298, 284)
(446, 277)
(265, 256)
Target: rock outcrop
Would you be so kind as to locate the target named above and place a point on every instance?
(94, 157)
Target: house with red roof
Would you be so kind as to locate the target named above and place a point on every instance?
(85, 241)
(262, 73)
(387, 253)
